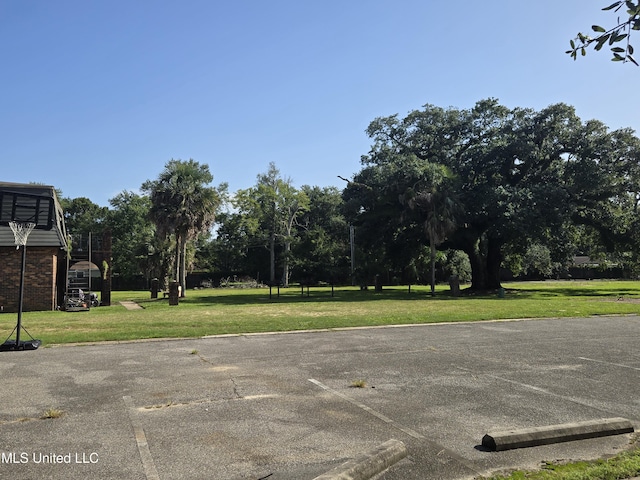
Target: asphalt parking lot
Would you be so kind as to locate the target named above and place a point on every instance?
(284, 406)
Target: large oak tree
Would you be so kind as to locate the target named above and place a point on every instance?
(523, 177)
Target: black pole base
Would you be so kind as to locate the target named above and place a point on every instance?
(10, 345)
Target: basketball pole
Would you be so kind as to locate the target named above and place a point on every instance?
(21, 295)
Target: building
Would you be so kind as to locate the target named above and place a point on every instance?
(46, 257)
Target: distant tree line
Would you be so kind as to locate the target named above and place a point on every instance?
(441, 192)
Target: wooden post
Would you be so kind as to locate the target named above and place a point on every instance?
(174, 293)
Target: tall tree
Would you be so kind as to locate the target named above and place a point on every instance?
(82, 216)
(183, 204)
(323, 250)
(609, 208)
(133, 234)
(521, 173)
(400, 202)
(434, 200)
(271, 209)
(229, 252)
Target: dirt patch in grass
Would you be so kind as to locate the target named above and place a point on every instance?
(622, 300)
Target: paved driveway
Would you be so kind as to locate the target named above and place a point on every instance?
(284, 406)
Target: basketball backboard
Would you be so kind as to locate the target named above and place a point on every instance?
(26, 207)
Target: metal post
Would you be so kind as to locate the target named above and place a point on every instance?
(21, 296)
(353, 253)
(90, 265)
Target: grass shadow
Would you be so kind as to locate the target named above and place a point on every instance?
(295, 296)
(574, 292)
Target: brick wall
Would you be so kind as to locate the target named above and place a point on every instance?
(39, 280)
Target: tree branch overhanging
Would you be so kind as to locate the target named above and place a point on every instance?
(621, 31)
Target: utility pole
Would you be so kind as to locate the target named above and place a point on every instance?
(352, 243)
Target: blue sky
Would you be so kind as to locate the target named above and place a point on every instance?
(96, 96)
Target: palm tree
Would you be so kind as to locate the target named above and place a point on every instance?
(183, 205)
(437, 206)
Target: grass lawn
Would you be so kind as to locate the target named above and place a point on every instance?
(236, 311)
(623, 465)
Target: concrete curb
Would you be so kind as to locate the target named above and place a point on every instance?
(369, 464)
(531, 437)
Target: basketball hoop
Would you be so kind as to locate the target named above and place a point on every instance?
(21, 231)
(23, 210)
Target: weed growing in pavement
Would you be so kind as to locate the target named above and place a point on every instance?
(52, 413)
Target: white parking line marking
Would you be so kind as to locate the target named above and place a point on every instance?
(609, 363)
(141, 440)
(412, 433)
(408, 431)
(533, 387)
